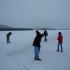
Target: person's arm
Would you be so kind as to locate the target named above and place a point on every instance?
(58, 38)
(62, 39)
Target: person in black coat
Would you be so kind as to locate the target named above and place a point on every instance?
(37, 45)
(45, 34)
(8, 37)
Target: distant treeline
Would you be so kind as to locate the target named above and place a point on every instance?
(14, 29)
(21, 29)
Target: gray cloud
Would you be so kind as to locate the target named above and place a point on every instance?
(35, 13)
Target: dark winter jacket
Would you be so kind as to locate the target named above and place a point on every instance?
(9, 34)
(37, 39)
(45, 33)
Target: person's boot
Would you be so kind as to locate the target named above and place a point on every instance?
(38, 59)
(61, 51)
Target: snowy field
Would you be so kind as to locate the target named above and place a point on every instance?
(19, 54)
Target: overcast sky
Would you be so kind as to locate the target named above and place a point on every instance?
(35, 13)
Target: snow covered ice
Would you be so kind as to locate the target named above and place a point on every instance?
(19, 54)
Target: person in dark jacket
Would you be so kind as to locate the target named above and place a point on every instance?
(8, 37)
(37, 45)
(45, 34)
(60, 41)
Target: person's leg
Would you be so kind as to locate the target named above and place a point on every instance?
(58, 47)
(45, 39)
(37, 50)
(61, 47)
(9, 39)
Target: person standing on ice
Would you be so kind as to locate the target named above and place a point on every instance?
(45, 34)
(36, 44)
(60, 41)
(8, 37)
